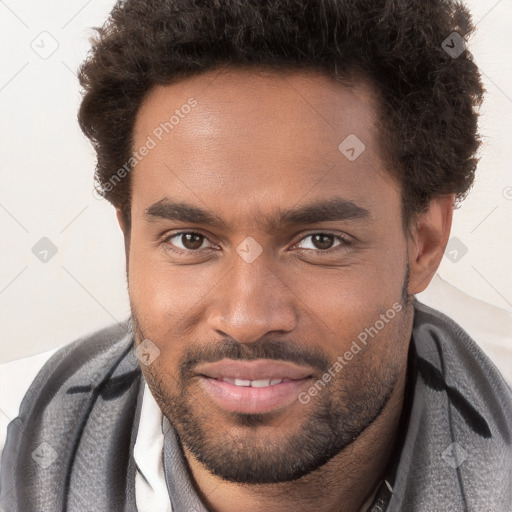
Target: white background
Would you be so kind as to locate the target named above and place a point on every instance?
(47, 167)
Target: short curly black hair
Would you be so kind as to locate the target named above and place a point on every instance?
(429, 98)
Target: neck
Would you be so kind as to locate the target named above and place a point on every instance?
(349, 480)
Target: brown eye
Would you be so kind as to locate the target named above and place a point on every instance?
(322, 241)
(192, 241)
(186, 241)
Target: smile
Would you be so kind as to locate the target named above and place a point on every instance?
(253, 386)
(260, 383)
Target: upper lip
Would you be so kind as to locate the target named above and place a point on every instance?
(253, 370)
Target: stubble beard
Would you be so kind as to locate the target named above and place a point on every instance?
(270, 447)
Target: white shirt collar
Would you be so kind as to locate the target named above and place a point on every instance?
(147, 453)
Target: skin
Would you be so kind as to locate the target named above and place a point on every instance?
(258, 143)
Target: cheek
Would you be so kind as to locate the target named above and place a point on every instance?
(352, 295)
(167, 292)
(164, 296)
(360, 303)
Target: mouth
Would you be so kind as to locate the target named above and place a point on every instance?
(253, 386)
(257, 383)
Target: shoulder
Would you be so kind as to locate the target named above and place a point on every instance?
(15, 379)
(489, 326)
(17, 376)
(461, 406)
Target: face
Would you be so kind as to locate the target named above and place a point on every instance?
(267, 268)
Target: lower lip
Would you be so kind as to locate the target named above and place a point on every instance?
(246, 399)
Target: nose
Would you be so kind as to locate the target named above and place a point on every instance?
(252, 301)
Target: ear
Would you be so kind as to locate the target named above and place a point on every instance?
(120, 220)
(126, 233)
(428, 242)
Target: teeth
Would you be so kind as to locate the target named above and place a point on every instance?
(260, 383)
(254, 383)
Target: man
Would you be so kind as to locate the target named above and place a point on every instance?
(284, 174)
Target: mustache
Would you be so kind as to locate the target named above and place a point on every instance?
(277, 350)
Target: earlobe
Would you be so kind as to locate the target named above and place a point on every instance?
(427, 246)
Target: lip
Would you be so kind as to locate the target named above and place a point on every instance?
(248, 399)
(253, 370)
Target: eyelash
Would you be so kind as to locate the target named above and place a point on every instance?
(344, 243)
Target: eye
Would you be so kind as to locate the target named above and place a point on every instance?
(185, 241)
(324, 242)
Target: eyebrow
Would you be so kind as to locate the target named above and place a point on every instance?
(332, 209)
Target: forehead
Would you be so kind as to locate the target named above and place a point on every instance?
(261, 137)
